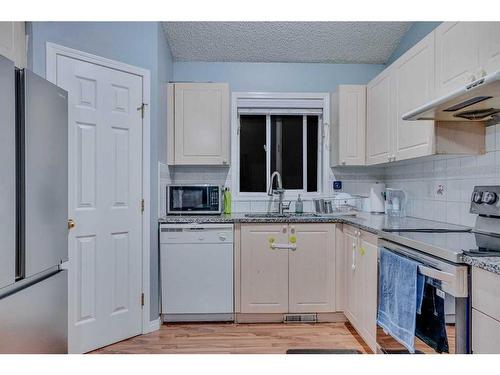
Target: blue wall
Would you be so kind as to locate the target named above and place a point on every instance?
(136, 43)
(277, 76)
(415, 33)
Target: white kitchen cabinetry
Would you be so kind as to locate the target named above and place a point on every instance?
(413, 86)
(348, 126)
(465, 51)
(311, 268)
(198, 124)
(485, 312)
(264, 271)
(13, 42)
(489, 47)
(408, 83)
(457, 55)
(380, 119)
(283, 280)
(361, 282)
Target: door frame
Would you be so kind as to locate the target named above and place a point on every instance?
(52, 51)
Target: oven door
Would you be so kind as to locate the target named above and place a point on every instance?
(443, 325)
(193, 199)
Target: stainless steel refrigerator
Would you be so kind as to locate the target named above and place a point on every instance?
(33, 212)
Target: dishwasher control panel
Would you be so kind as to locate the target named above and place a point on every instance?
(196, 233)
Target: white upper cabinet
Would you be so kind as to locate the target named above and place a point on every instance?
(457, 55)
(13, 42)
(489, 47)
(348, 126)
(198, 124)
(380, 119)
(413, 86)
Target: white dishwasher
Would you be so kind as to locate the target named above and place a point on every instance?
(196, 272)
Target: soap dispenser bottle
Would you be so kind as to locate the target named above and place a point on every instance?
(299, 205)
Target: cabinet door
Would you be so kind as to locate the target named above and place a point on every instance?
(485, 334)
(264, 271)
(312, 268)
(352, 124)
(489, 47)
(201, 119)
(457, 55)
(380, 119)
(414, 86)
(368, 302)
(13, 42)
(351, 271)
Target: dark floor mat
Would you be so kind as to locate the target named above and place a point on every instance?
(323, 351)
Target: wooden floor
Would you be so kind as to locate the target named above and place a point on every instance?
(222, 338)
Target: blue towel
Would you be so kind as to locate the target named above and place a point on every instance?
(400, 297)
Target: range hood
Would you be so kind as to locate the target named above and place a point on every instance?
(477, 101)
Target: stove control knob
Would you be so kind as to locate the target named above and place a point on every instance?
(477, 197)
(489, 197)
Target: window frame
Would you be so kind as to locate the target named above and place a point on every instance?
(269, 99)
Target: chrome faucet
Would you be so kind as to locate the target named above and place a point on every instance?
(279, 191)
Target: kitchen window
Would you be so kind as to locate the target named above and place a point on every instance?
(278, 134)
(284, 143)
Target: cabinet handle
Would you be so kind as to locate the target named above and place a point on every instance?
(353, 266)
(292, 230)
(284, 229)
(284, 246)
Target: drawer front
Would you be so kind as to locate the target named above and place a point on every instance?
(486, 292)
(485, 334)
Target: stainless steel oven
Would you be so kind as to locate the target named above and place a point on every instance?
(194, 199)
(449, 288)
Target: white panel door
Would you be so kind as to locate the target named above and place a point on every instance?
(312, 268)
(380, 119)
(105, 189)
(457, 55)
(413, 86)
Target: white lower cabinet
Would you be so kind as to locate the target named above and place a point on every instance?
(360, 308)
(311, 269)
(282, 280)
(485, 312)
(264, 271)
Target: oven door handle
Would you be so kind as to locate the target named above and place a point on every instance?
(436, 274)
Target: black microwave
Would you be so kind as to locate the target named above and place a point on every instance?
(194, 199)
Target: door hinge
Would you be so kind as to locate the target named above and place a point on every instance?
(142, 205)
(142, 108)
(142, 299)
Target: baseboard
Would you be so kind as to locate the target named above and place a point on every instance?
(154, 325)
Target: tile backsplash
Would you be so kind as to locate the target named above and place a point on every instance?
(419, 178)
(457, 175)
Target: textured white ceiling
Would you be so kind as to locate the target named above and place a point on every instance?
(328, 42)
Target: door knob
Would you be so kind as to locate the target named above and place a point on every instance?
(71, 224)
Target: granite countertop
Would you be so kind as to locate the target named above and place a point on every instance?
(491, 264)
(374, 223)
